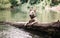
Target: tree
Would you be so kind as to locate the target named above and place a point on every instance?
(13, 2)
(3, 3)
(55, 2)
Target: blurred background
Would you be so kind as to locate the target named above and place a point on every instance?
(18, 10)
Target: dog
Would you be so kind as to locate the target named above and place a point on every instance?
(32, 14)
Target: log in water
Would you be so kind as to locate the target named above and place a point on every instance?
(54, 26)
(45, 29)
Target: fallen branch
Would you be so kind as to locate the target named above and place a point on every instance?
(51, 29)
(54, 26)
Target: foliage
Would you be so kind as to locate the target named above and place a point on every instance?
(4, 3)
(22, 10)
(55, 2)
(24, 1)
(33, 2)
(13, 2)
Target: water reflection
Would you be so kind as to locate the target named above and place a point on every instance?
(16, 14)
(5, 15)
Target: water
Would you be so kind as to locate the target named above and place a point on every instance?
(13, 32)
(18, 15)
(45, 13)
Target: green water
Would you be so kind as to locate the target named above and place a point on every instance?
(12, 15)
(17, 15)
(21, 12)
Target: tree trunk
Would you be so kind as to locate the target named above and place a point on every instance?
(53, 26)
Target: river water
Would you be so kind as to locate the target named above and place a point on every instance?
(21, 14)
(7, 31)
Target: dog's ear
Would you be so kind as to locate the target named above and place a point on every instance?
(34, 9)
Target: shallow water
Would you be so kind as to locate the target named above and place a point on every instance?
(13, 32)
